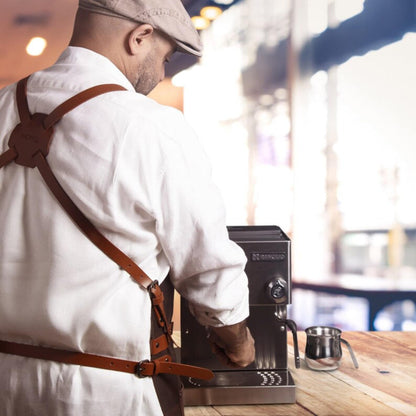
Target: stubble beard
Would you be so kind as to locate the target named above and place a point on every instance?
(146, 80)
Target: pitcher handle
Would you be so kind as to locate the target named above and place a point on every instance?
(354, 360)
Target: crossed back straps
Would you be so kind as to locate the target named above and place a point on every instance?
(29, 145)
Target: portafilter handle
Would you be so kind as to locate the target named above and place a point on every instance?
(293, 327)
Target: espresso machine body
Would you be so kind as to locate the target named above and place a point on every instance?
(267, 380)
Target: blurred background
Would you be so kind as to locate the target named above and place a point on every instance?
(306, 110)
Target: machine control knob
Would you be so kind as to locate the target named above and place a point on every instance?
(277, 290)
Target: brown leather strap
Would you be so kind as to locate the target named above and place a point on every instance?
(87, 227)
(78, 99)
(22, 104)
(159, 344)
(67, 357)
(164, 365)
(47, 120)
(24, 114)
(63, 108)
(7, 157)
(39, 160)
(141, 369)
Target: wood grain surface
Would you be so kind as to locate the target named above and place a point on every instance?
(384, 384)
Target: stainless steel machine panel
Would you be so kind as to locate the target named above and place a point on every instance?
(237, 387)
(269, 274)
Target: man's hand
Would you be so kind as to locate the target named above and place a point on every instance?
(233, 344)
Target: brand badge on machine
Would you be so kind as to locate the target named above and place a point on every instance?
(268, 256)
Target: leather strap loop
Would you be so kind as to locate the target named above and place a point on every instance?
(156, 295)
(164, 365)
(183, 370)
(159, 344)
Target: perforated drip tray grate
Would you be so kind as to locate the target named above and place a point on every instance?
(241, 387)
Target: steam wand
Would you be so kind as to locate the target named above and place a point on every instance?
(293, 327)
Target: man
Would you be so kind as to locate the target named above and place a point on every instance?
(137, 171)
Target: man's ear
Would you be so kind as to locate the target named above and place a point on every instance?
(138, 37)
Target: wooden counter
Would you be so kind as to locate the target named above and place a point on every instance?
(385, 383)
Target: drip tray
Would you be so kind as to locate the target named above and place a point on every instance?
(241, 387)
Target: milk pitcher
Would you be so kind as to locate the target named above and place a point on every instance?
(323, 348)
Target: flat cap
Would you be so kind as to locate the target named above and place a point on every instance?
(167, 16)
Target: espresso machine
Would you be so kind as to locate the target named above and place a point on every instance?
(268, 379)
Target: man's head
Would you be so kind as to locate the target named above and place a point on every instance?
(139, 36)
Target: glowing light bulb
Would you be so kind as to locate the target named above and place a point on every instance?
(36, 46)
(211, 12)
(200, 22)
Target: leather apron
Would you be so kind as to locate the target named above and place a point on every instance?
(29, 146)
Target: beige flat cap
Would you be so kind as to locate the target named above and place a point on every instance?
(168, 16)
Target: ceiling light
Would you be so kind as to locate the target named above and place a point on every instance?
(200, 22)
(226, 2)
(211, 12)
(36, 46)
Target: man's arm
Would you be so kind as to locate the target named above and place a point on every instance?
(233, 344)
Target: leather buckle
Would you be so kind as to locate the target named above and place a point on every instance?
(139, 368)
(152, 285)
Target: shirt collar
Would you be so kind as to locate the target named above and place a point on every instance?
(101, 66)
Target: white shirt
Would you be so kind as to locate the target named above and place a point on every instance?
(137, 171)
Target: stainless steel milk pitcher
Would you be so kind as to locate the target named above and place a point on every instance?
(323, 348)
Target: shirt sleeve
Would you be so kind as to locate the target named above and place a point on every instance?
(207, 268)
